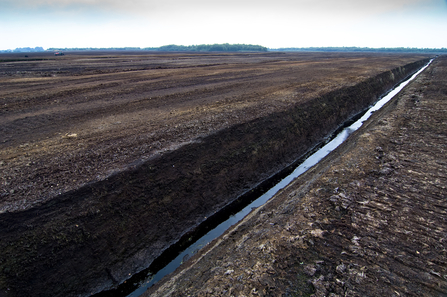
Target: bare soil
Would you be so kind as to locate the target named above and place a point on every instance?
(109, 158)
(369, 220)
(66, 121)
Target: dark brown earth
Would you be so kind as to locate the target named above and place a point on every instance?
(108, 159)
(70, 120)
(369, 220)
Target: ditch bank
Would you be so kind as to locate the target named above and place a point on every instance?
(367, 220)
(94, 238)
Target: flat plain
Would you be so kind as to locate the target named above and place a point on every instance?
(109, 158)
(66, 121)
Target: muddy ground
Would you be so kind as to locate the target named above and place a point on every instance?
(107, 159)
(369, 220)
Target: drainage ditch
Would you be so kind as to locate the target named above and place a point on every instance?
(232, 213)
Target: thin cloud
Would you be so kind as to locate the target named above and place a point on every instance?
(63, 5)
(312, 6)
(279, 23)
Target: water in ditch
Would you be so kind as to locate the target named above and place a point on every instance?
(138, 284)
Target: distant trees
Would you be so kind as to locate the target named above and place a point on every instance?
(225, 47)
(24, 50)
(95, 49)
(361, 49)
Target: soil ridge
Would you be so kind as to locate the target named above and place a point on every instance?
(368, 220)
(136, 214)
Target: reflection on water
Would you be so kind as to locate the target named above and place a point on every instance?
(303, 167)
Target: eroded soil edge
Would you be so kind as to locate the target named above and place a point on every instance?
(369, 220)
(57, 248)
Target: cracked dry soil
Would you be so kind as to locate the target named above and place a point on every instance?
(369, 220)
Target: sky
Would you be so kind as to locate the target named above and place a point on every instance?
(273, 23)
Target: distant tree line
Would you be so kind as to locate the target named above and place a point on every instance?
(361, 49)
(225, 47)
(180, 48)
(24, 50)
(95, 49)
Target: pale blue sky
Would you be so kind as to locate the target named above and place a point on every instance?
(279, 23)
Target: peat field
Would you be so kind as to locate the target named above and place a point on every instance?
(109, 158)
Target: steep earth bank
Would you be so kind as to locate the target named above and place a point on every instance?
(369, 220)
(60, 238)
